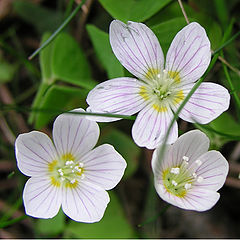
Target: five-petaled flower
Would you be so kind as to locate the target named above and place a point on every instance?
(188, 176)
(69, 172)
(161, 88)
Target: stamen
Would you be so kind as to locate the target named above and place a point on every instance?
(175, 170)
(82, 176)
(80, 165)
(62, 178)
(194, 175)
(187, 186)
(185, 158)
(60, 172)
(158, 75)
(69, 163)
(72, 181)
(174, 183)
(198, 162)
(200, 179)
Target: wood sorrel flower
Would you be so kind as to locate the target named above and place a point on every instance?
(188, 176)
(160, 88)
(69, 172)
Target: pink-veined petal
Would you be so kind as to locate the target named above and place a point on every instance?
(213, 170)
(104, 166)
(197, 199)
(191, 144)
(119, 96)
(41, 199)
(85, 202)
(73, 133)
(207, 103)
(34, 151)
(160, 164)
(200, 199)
(151, 126)
(189, 54)
(166, 195)
(137, 48)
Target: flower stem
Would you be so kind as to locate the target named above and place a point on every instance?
(175, 117)
(183, 11)
(61, 27)
(233, 91)
(6, 108)
(155, 217)
(10, 222)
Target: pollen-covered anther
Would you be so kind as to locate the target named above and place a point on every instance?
(174, 183)
(198, 162)
(82, 176)
(194, 175)
(69, 163)
(73, 181)
(185, 158)
(187, 186)
(77, 168)
(200, 179)
(175, 170)
(60, 172)
(80, 164)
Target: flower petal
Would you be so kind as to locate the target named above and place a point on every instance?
(191, 144)
(207, 103)
(85, 203)
(200, 199)
(104, 166)
(34, 151)
(189, 54)
(41, 199)
(197, 199)
(151, 126)
(137, 48)
(214, 170)
(119, 96)
(158, 164)
(74, 134)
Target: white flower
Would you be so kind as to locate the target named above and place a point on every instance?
(200, 175)
(68, 173)
(161, 88)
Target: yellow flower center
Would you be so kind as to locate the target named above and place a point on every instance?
(66, 170)
(179, 179)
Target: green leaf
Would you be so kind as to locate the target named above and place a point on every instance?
(62, 60)
(133, 10)
(69, 63)
(46, 60)
(212, 28)
(166, 31)
(221, 130)
(226, 124)
(59, 98)
(51, 227)
(7, 71)
(172, 11)
(42, 18)
(104, 52)
(113, 224)
(120, 140)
